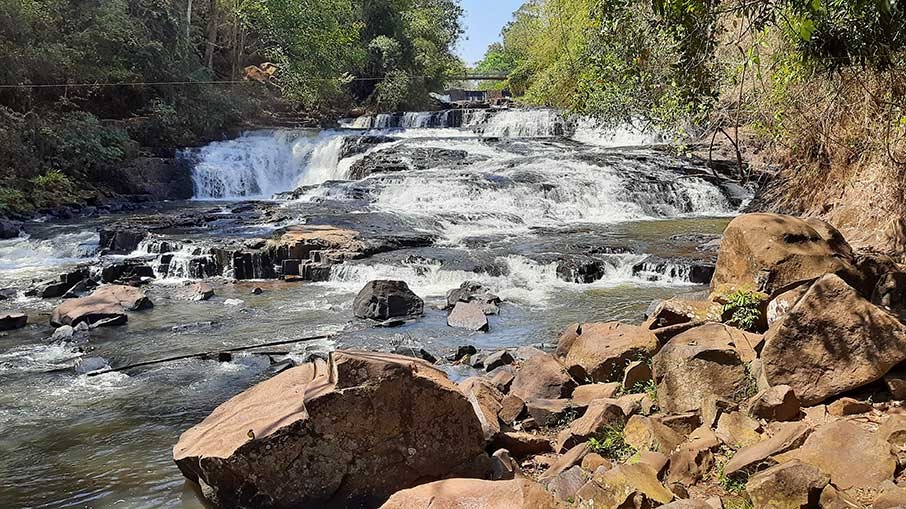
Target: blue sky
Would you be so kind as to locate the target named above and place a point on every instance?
(483, 21)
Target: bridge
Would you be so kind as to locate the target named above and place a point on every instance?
(479, 76)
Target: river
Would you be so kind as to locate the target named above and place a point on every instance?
(564, 221)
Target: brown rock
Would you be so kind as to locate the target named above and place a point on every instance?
(832, 498)
(602, 351)
(713, 406)
(498, 359)
(637, 374)
(567, 460)
(890, 293)
(852, 456)
(548, 412)
(511, 408)
(890, 496)
(333, 433)
(684, 424)
(780, 305)
(841, 341)
(687, 504)
(106, 303)
(593, 461)
(771, 252)
(583, 395)
(655, 460)
(486, 402)
(848, 406)
(600, 414)
(675, 311)
(697, 364)
(778, 403)
(693, 459)
(473, 494)
(893, 430)
(792, 484)
(621, 484)
(542, 377)
(737, 429)
(522, 444)
(12, 321)
(896, 383)
(567, 338)
(381, 300)
(200, 291)
(565, 485)
(503, 467)
(650, 434)
(787, 437)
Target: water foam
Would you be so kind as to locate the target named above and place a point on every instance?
(24, 254)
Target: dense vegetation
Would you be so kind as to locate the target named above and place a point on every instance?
(817, 86)
(328, 56)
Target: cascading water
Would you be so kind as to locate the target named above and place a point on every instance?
(260, 164)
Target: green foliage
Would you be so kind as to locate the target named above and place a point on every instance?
(13, 200)
(734, 484)
(648, 387)
(52, 179)
(744, 308)
(610, 443)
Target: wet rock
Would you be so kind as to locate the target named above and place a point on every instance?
(463, 352)
(469, 316)
(380, 300)
(542, 377)
(788, 436)
(792, 484)
(772, 252)
(9, 229)
(407, 158)
(89, 364)
(852, 456)
(277, 455)
(475, 293)
(57, 288)
(599, 352)
(200, 291)
(474, 494)
(848, 406)
(620, 485)
(106, 305)
(8, 293)
(841, 341)
(125, 271)
(121, 239)
(777, 403)
(155, 178)
(696, 364)
(689, 270)
(12, 321)
(257, 290)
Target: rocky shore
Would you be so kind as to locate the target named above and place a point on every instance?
(780, 387)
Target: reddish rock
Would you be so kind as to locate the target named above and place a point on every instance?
(788, 436)
(777, 403)
(841, 342)
(107, 304)
(601, 351)
(473, 494)
(468, 315)
(792, 484)
(511, 408)
(848, 406)
(583, 395)
(522, 444)
(335, 433)
(542, 377)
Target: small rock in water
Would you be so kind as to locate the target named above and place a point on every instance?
(10, 321)
(462, 352)
(233, 302)
(201, 291)
(257, 290)
(470, 291)
(89, 364)
(63, 333)
(467, 315)
(8, 293)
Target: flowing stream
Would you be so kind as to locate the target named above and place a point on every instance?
(527, 202)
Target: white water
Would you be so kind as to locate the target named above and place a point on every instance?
(260, 164)
(24, 256)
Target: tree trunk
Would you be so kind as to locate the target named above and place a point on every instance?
(211, 43)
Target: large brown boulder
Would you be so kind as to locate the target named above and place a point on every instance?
(832, 341)
(349, 432)
(600, 351)
(542, 377)
(772, 252)
(698, 364)
(108, 304)
(474, 494)
(792, 484)
(852, 456)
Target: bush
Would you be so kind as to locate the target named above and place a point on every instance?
(610, 443)
(743, 308)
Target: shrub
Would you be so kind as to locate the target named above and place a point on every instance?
(610, 443)
(743, 308)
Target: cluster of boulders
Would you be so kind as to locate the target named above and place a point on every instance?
(688, 409)
(392, 303)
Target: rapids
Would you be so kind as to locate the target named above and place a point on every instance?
(565, 221)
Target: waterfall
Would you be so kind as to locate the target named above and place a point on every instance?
(260, 164)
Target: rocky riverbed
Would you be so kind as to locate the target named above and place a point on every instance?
(494, 232)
